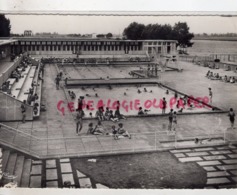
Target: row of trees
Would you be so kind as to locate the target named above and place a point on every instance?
(5, 27)
(108, 35)
(217, 35)
(179, 32)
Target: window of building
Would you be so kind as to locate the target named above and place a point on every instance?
(168, 49)
(149, 50)
(59, 48)
(159, 49)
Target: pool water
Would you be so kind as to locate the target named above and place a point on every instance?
(149, 98)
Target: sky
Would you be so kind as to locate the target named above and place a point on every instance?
(115, 25)
(16, 11)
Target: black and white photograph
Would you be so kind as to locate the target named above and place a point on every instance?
(104, 99)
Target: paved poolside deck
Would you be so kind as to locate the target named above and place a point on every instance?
(58, 137)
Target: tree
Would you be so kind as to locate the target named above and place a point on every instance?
(134, 31)
(5, 26)
(100, 36)
(179, 32)
(182, 35)
(109, 35)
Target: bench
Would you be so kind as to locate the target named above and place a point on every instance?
(27, 84)
(16, 88)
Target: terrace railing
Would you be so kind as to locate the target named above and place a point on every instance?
(91, 145)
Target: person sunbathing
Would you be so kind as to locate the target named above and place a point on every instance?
(227, 68)
(121, 132)
(118, 115)
(72, 94)
(99, 129)
(208, 73)
(112, 117)
(228, 79)
(94, 130)
(217, 76)
(99, 114)
(232, 79)
(140, 111)
(225, 78)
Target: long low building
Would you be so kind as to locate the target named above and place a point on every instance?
(69, 45)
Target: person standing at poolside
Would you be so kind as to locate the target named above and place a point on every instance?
(164, 104)
(80, 103)
(170, 120)
(79, 116)
(210, 95)
(174, 121)
(232, 117)
(57, 80)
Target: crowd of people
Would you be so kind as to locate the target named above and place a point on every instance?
(16, 73)
(216, 76)
(117, 133)
(102, 115)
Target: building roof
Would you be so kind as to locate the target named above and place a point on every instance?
(55, 38)
(6, 41)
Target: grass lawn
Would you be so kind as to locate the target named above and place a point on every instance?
(151, 171)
